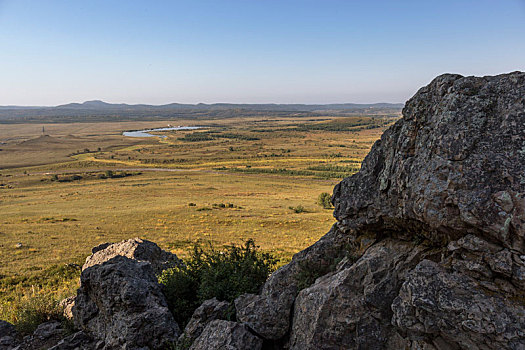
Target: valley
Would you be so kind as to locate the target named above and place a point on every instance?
(82, 184)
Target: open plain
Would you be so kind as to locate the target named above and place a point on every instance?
(65, 188)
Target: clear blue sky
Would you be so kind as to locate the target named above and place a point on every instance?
(284, 51)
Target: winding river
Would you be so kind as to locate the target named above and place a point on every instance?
(146, 132)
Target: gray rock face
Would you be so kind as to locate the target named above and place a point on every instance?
(8, 335)
(459, 308)
(120, 302)
(7, 329)
(453, 165)
(136, 249)
(77, 341)
(352, 306)
(45, 336)
(268, 313)
(437, 217)
(226, 335)
(210, 310)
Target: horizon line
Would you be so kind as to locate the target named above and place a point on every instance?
(199, 103)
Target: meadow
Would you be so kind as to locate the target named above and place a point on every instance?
(76, 185)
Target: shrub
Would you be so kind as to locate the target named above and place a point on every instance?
(298, 209)
(203, 209)
(324, 200)
(211, 273)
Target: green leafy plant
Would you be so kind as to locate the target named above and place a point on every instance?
(324, 200)
(298, 209)
(208, 273)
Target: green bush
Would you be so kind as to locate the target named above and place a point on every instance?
(211, 273)
(324, 200)
(298, 209)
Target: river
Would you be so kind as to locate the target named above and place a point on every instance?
(146, 132)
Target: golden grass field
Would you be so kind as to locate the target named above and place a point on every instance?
(239, 181)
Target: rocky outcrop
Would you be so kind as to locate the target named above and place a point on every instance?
(321, 317)
(210, 310)
(120, 301)
(434, 232)
(452, 166)
(78, 341)
(436, 302)
(226, 335)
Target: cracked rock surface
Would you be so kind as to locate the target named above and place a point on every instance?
(432, 231)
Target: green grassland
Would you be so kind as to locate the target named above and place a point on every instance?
(83, 184)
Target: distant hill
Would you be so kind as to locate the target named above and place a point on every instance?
(96, 110)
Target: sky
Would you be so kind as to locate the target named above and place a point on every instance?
(249, 51)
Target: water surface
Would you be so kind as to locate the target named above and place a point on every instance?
(146, 132)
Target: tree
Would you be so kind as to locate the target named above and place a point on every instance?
(324, 200)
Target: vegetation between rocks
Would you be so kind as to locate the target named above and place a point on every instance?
(208, 273)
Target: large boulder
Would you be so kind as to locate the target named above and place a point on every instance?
(121, 303)
(435, 221)
(226, 335)
(452, 165)
(352, 306)
(136, 249)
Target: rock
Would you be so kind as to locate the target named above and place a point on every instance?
(8, 336)
(444, 186)
(136, 249)
(453, 165)
(8, 342)
(433, 301)
(120, 302)
(352, 306)
(226, 335)
(268, 313)
(67, 305)
(76, 341)
(210, 310)
(45, 336)
(48, 330)
(7, 329)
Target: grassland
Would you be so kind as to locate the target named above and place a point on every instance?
(83, 184)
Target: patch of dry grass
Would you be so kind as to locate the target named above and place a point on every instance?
(58, 222)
